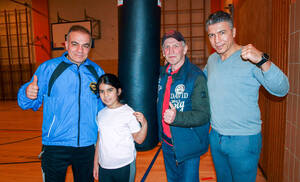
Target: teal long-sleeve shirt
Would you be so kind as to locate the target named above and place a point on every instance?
(233, 88)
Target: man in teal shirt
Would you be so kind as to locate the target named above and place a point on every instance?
(234, 74)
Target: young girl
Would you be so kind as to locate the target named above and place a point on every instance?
(118, 126)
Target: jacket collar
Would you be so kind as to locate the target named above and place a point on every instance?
(182, 70)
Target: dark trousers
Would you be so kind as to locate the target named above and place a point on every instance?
(56, 159)
(121, 174)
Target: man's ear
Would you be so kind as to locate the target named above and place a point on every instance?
(66, 45)
(119, 91)
(185, 49)
(162, 51)
(233, 32)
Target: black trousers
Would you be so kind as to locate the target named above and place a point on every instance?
(56, 159)
(121, 174)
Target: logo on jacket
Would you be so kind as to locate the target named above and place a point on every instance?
(93, 87)
(178, 99)
(179, 89)
(179, 92)
(159, 87)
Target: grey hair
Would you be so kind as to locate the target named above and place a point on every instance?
(79, 28)
(182, 42)
(217, 17)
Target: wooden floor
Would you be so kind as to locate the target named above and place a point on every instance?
(20, 145)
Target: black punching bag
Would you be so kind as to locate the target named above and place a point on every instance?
(139, 60)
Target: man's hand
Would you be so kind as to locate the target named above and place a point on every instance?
(249, 52)
(170, 114)
(32, 89)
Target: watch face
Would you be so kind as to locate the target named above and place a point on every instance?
(265, 56)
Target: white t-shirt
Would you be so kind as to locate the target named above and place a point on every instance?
(116, 144)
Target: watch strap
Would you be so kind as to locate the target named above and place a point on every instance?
(264, 58)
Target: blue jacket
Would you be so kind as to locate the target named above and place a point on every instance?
(69, 113)
(191, 125)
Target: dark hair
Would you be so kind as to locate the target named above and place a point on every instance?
(217, 17)
(79, 28)
(109, 79)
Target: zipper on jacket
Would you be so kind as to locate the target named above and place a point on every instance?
(173, 148)
(174, 151)
(79, 93)
(53, 120)
(163, 96)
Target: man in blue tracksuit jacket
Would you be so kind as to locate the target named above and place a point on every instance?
(183, 111)
(69, 129)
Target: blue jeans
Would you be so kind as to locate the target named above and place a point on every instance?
(186, 171)
(235, 157)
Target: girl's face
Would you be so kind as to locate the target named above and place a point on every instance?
(109, 95)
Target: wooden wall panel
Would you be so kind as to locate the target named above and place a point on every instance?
(252, 27)
(279, 51)
(265, 24)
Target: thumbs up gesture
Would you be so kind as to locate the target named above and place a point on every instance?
(170, 114)
(32, 89)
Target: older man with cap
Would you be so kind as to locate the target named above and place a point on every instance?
(183, 111)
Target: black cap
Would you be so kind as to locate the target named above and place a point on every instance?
(174, 34)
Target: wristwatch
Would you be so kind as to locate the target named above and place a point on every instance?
(264, 58)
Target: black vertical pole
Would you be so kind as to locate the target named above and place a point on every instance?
(139, 58)
(28, 43)
(2, 58)
(9, 51)
(18, 48)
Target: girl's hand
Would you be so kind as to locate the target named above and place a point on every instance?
(140, 136)
(140, 117)
(96, 171)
